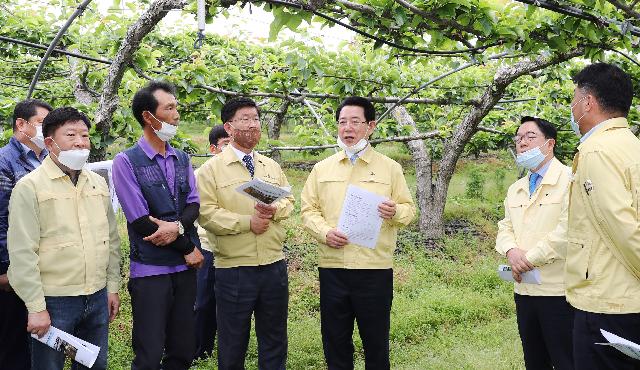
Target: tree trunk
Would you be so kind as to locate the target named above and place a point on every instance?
(454, 146)
(275, 125)
(431, 192)
(109, 99)
(429, 219)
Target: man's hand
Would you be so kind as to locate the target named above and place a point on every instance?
(167, 233)
(265, 210)
(195, 259)
(38, 323)
(336, 239)
(518, 261)
(516, 276)
(258, 224)
(387, 209)
(113, 301)
(4, 283)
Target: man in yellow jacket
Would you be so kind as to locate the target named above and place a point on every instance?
(355, 282)
(603, 253)
(63, 243)
(532, 234)
(251, 273)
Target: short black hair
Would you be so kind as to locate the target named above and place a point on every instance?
(610, 85)
(369, 110)
(230, 108)
(27, 109)
(547, 128)
(217, 132)
(59, 117)
(144, 100)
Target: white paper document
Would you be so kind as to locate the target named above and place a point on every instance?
(81, 351)
(625, 346)
(359, 218)
(263, 192)
(104, 169)
(529, 277)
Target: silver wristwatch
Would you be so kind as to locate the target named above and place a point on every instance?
(180, 228)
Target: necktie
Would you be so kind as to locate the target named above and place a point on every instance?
(354, 158)
(533, 178)
(248, 162)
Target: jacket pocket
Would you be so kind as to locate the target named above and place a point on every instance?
(578, 259)
(62, 264)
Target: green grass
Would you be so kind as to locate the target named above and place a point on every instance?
(450, 310)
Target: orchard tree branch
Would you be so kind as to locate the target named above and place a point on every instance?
(123, 58)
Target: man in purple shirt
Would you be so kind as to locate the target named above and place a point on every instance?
(157, 191)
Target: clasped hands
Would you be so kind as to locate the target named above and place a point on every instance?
(166, 234)
(519, 263)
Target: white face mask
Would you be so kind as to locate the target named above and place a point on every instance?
(356, 148)
(166, 132)
(74, 159)
(532, 158)
(38, 140)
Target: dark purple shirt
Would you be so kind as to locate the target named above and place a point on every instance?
(135, 206)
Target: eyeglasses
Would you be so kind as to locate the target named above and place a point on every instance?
(353, 123)
(527, 136)
(247, 121)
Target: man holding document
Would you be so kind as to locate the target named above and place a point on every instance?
(64, 245)
(353, 203)
(251, 273)
(532, 234)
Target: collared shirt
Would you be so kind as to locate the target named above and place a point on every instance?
(537, 224)
(603, 252)
(63, 239)
(591, 132)
(541, 172)
(31, 156)
(226, 213)
(322, 198)
(133, 203)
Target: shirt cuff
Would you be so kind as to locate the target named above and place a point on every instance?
(113, 286)
(535, 257)
(323, 234)
(245, 223)
(36, 306)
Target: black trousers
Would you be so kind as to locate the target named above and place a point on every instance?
(163, 321)
(264, 292)
(586, 332)
(363, 295)
(205, 307)
(546, 328)
(14, 339)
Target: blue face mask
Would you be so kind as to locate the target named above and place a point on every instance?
(532, 158)
(575, 126)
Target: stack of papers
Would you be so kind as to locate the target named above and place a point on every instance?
(359, 219)
(75, 348)
(529, 277)
(625, 346)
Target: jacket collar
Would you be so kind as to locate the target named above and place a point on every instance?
(550, 178)
(366, 155)
(19, 150)
(610, 124)
(54, 172)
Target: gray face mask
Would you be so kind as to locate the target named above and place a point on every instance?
(575, 125)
